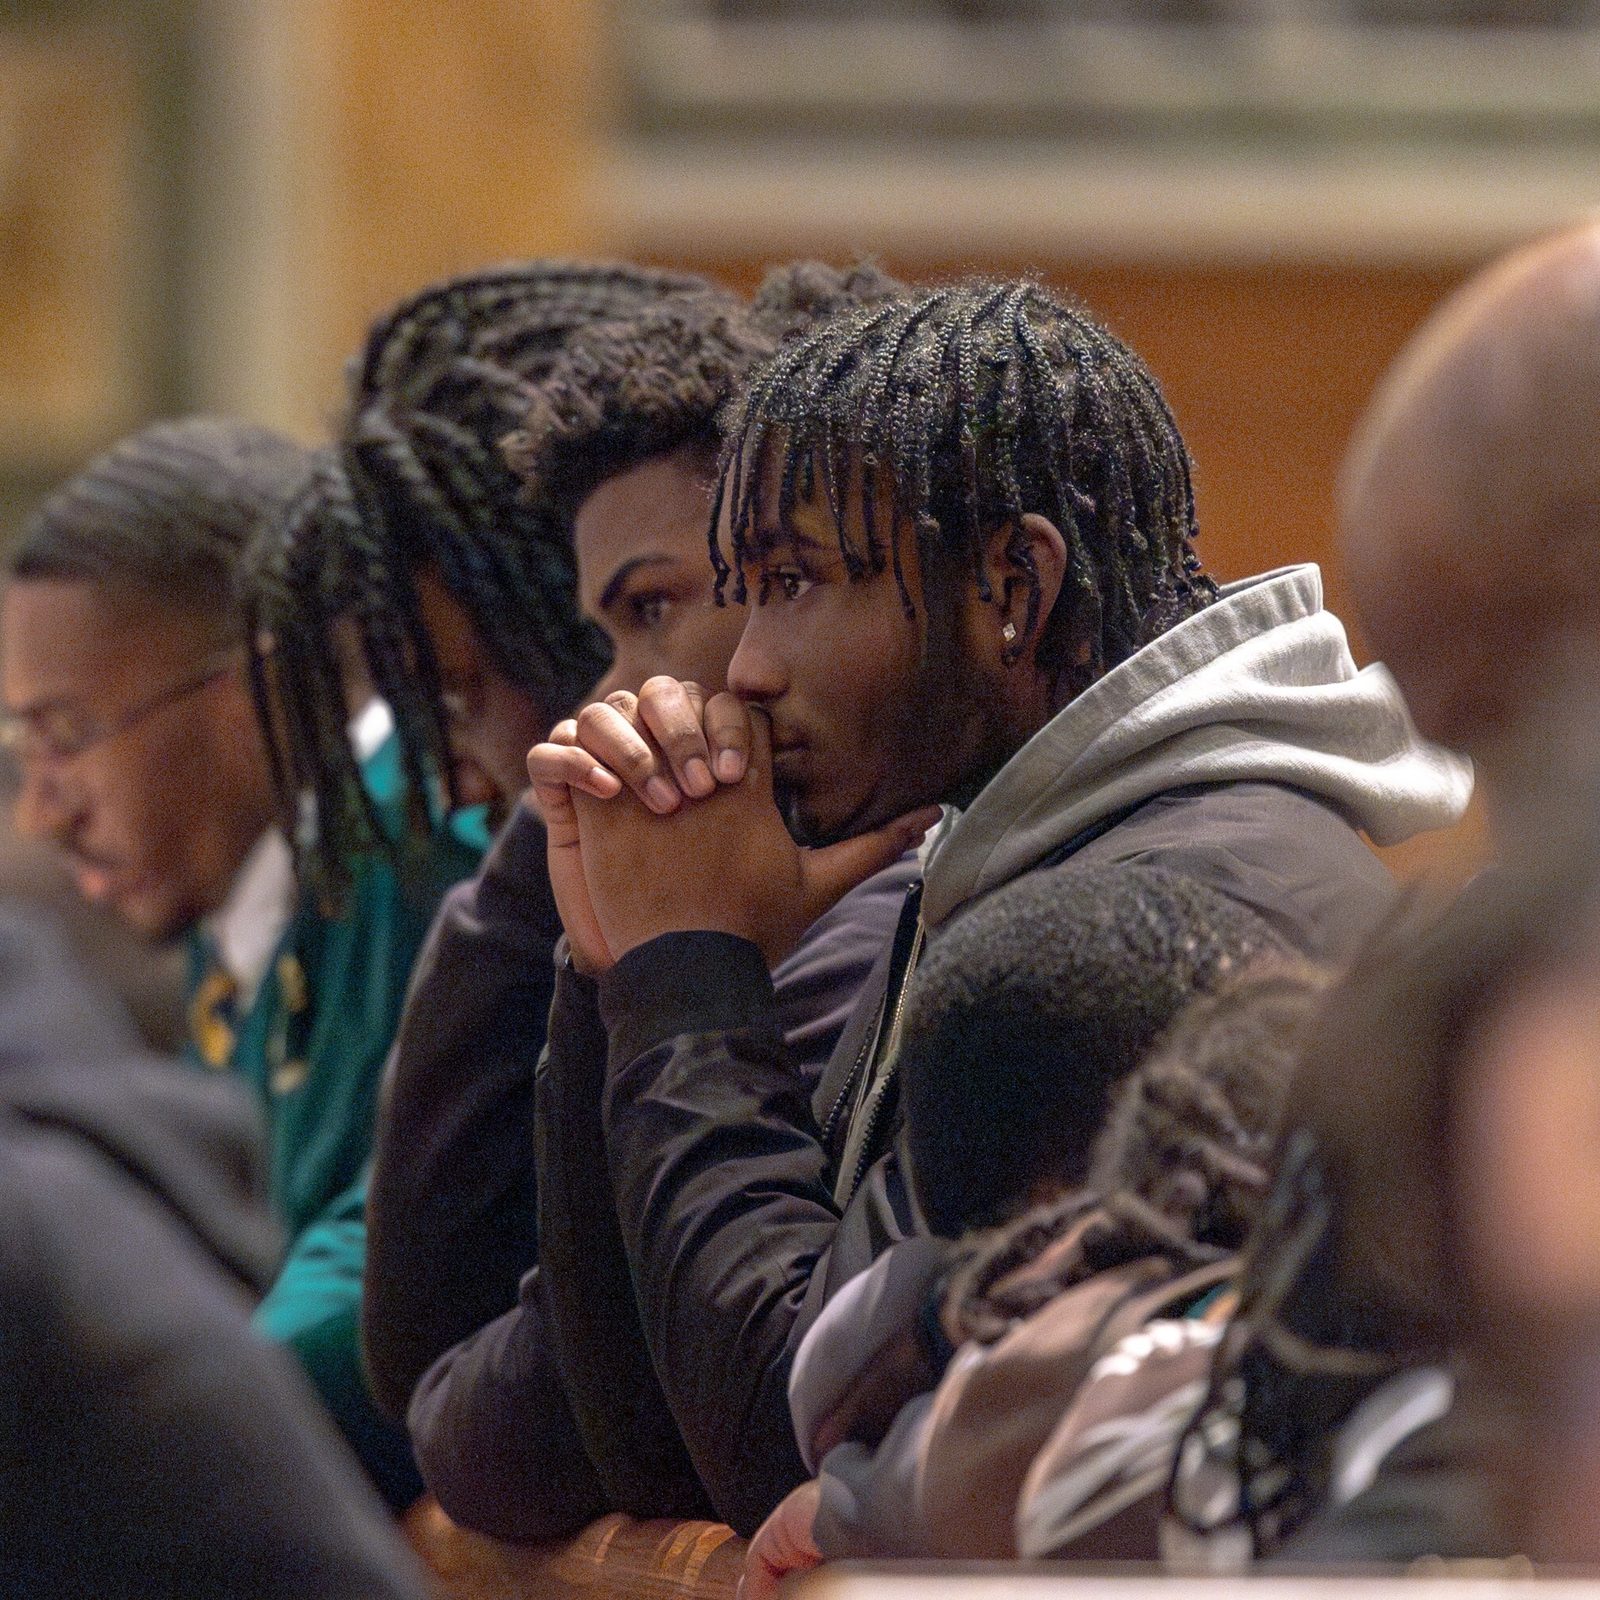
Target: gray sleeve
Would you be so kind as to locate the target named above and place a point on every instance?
(870, 1506)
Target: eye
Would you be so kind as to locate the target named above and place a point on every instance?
(650, 609)
(461, 704)
(790, 582)
(64, 730)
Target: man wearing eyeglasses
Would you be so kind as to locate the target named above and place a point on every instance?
(126, 705)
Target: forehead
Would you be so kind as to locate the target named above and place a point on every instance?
(657, 508)
(67, 638)
(811, 522)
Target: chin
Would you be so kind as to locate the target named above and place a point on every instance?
(154, 924)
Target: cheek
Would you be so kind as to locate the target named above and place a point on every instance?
(702, 645)
(510, 726)
(1530, 1174)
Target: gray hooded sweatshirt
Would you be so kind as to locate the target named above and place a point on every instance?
(1260, 687)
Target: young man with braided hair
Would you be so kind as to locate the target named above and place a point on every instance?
(128, 707)
(619, 373)
(965, 521)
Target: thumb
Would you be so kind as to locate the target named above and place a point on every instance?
(827, 875)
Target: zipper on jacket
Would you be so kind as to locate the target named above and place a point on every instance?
(875, 1093)
(847, 1096)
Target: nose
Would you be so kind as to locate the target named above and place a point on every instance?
(472, 784)
(43, 809)
(618, 676)
(757, 672)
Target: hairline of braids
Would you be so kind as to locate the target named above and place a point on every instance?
(979, 403)
(417, 479)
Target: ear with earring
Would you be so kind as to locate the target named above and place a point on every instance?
(1011, 651)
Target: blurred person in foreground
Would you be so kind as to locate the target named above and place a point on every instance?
(128, 707)
(1411, 1369)
(964, 523)
(152, 1444)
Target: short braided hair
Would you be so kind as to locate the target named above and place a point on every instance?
(417, 477)
(169, 510)
(980, 402)
(630, 390)
(1183, 1165)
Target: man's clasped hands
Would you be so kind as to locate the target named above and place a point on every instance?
(661, 818)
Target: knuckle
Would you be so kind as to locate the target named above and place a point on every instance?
(635, 763)
(658, 686)
(623, 700)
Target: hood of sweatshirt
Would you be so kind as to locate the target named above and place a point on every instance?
(1258, 687)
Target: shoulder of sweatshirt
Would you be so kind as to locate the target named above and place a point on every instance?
(859, 1344)
(1287, 855)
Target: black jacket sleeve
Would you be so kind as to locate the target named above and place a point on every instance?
(494, 1436)
(593, 1324)
(723, 1195)
(450, 1209)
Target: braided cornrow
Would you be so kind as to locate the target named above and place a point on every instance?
(417, 478)
(977, 403)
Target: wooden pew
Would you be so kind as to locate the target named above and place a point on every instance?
(614, 1557)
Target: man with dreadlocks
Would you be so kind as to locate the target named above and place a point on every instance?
(129, 708)
(965, 520)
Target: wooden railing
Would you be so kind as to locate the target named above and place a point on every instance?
(610, 1559)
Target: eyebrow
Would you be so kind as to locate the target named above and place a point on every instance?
(38, 708)
(614, 586)
(776, 536)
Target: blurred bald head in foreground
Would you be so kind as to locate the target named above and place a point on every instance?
(1470, 505)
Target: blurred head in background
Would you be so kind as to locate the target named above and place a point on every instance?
(123, 670)
(1471, 505)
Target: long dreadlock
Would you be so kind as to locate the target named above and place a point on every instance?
(416, 477)
(1351, 1274)
(979, 403)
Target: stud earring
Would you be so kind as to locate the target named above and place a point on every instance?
(1009, 633)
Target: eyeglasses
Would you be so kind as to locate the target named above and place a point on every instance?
(62, 733)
